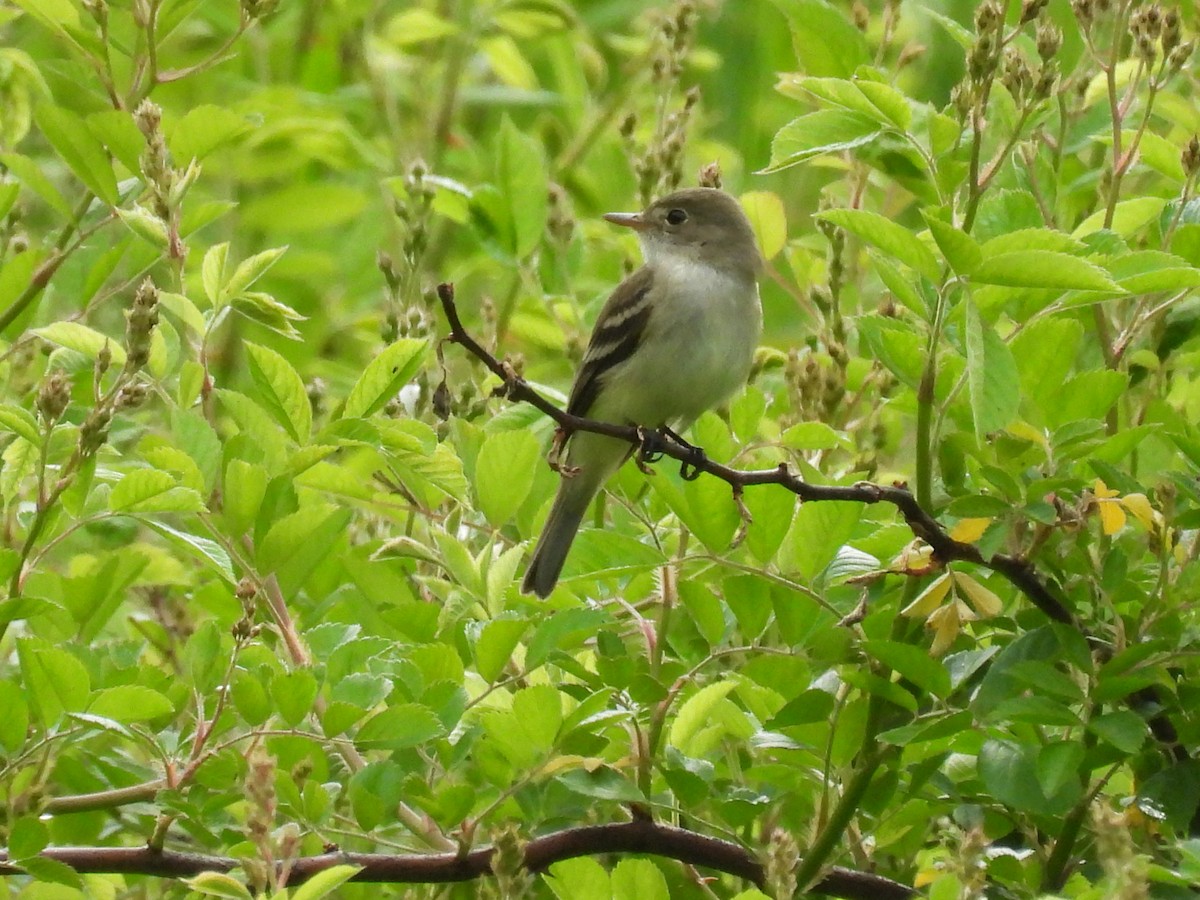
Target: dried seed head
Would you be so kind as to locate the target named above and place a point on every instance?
(54, 396)
(1191, 156)
(1049, 39)
(140, 322)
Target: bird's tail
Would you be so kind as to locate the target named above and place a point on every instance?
(570, 506)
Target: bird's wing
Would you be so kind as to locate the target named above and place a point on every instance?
(619, 330)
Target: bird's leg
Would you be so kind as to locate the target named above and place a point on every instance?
(689, 469)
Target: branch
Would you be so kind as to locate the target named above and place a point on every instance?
(638, 836)
(1015, 569)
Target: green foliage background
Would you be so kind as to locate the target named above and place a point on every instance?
(262, 531)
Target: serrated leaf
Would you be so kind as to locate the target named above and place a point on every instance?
(20, 421)
(281, 391)
(212, 272)
(961, 250)
(79, 149)
(218, 884)
(399, 727)
(207, 551)
(56, 681)
(893, 239)
(521, 179)
(818, 134)
(992, 378)
(78, 337)
(504, 473)
(145, 225)
(251, 269)
(130, 703)
(696, 712)
(325, 882)
(383, 377)
(32, 177)
(152, 491)
(1044, 269)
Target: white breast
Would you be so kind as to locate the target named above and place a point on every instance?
(697, 350)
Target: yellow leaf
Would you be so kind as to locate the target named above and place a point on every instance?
(946, 625)
(1112, 517)
(1141, 509)
(1027, 432)
(1102, 490)
(969, 530)
(985, 601)
(768, 219)
(929, 599)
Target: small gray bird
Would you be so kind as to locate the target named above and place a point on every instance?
(677, 337)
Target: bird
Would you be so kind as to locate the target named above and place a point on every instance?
(676, 338)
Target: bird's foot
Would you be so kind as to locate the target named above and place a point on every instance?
(555, 456)
(649, 449)
(690, 467)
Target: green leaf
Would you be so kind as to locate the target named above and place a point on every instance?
(153, 491)
(281, 391)
(218, 884)
(538, 711)
(504, 473)
(697, 712)
(417, 26)
(29, 837)
(292, 536)
(130, 703)
(244, 488)
(399, 727)
(57, 682)
(115, 129)
(1058, 763)
(825, 40)
(203, 549)
(818, 134)
(961, 250)
(374, 792)
(1009, 773)
(78, 337)
(22, 422)
(1129, 217)
(890, 237)
(294, 693)
(913, 663)
(14, 715)
(495, 644)
(212, 273)
(816, 533)
(203, 129)
(325, 882)
(384, 376)
(1123, 729)
(603, 783)
(638, 879)
(146, 225)
(249, 270)
(79, 149)
(991, 376)
(32, 177)
(521, 179)
(1044, 269)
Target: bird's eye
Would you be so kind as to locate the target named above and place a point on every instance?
(676, 217)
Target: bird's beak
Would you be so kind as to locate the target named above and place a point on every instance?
(629, 220)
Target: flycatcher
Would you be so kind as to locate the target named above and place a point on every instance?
(677, 337)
